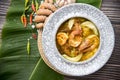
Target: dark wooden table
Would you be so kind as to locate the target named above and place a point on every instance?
(111, 71)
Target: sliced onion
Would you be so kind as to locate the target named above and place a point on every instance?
(74, 59)
(90, 25)
(70, 23)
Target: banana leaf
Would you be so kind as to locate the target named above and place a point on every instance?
(15, 63)
(96, 3)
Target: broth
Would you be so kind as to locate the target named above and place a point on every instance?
(77, 39)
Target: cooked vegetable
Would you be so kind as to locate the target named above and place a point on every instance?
(90, 25)
(70, 23)
(74, 59)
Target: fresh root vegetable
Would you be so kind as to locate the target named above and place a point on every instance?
(24, 20)
(48, 6)
(49, 1)
(39, 18)
(43, 12)
(39, 25)
(61, 3)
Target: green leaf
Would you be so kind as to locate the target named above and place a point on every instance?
(27, 6)
(96, 3)
(36, 4)
(15, 64)
(26, 2)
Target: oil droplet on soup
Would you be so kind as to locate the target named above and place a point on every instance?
(77, 39)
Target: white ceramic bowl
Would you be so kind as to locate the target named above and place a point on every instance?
(51, 54)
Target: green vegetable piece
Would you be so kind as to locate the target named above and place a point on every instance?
(28, 47)
(96, 3)
(26, 3)
(37, 4)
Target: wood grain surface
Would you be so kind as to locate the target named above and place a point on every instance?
(111, 71)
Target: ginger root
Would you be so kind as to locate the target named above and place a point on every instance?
(61, 3)
(45, 9)
(39, 18)
(44, 12)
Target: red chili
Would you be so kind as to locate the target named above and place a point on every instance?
(25, 21)
(33, 7)
(31, 17)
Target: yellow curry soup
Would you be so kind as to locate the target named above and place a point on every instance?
(77, 39)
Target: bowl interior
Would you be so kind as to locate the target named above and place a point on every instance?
(80, 62)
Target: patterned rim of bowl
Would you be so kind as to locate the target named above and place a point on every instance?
(51, 53)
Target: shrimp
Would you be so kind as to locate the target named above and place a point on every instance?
(90, 43)
(76, 25)
(62, 38)
(74, 38)
(88, 55)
